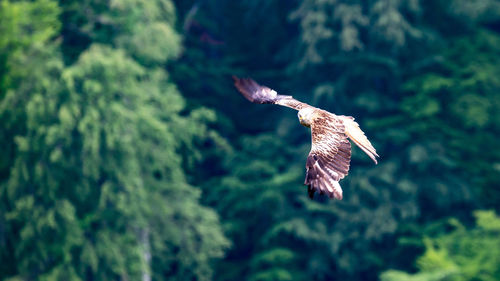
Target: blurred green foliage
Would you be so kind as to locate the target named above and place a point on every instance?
(127, 154)
(94, 187)
(459, 254)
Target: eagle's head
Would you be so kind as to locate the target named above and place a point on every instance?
(306, 116)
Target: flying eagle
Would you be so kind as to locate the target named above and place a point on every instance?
(330, 155)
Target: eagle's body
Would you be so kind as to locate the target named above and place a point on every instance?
(330, 155)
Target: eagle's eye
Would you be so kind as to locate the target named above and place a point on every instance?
(301, 118)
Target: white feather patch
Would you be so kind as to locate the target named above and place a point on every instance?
(338, 190)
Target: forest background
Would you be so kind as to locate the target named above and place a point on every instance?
(127, 154)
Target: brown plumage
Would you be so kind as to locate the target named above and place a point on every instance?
(330, 155)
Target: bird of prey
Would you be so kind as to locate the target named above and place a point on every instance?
(330, 155)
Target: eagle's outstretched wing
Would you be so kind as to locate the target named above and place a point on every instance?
(329, 158)
(353, 131)
(256, 93)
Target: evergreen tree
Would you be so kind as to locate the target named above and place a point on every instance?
(93, 188)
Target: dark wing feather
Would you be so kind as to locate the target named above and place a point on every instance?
(330, 156)
(256, 93)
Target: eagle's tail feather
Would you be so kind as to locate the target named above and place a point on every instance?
(353, 131)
